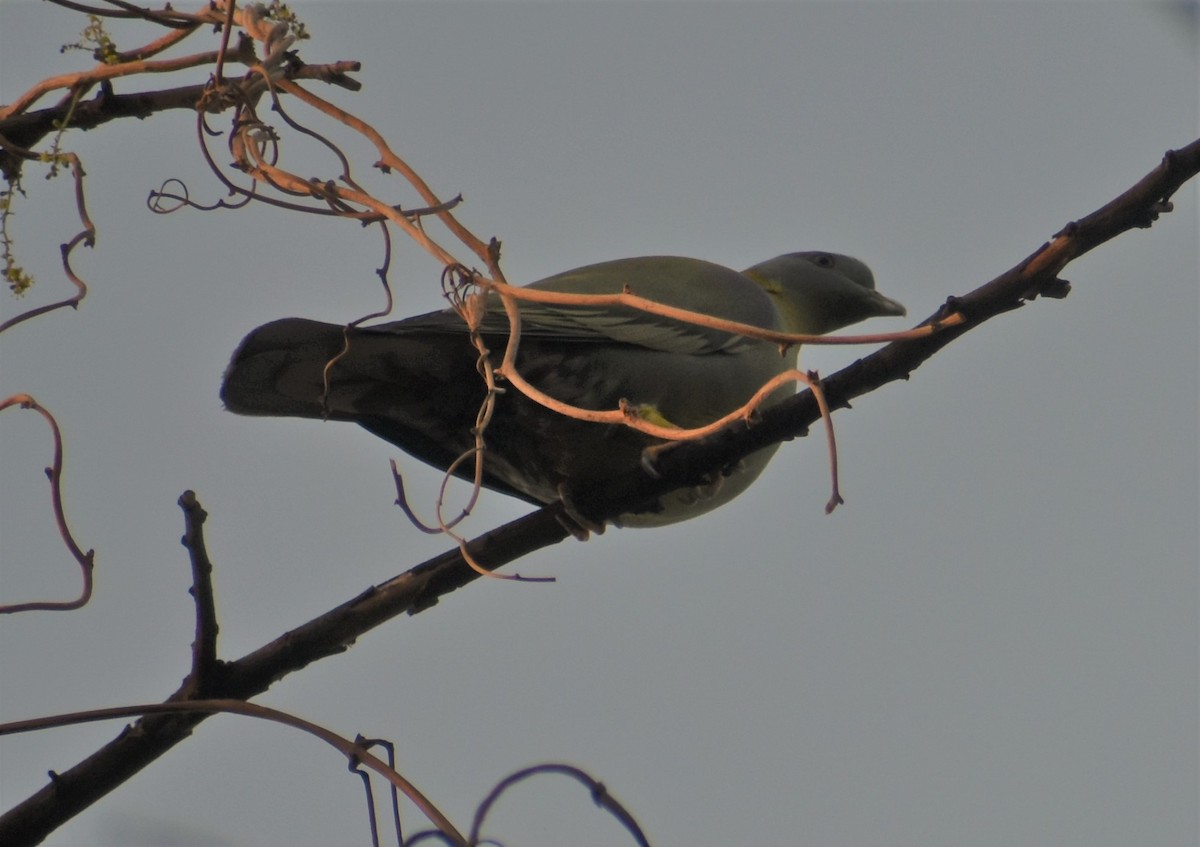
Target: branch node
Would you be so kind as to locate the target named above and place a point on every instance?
(952, 306)
(1054, 288)
(1068, 231)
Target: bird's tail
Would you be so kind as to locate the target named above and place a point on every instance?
(279, 370)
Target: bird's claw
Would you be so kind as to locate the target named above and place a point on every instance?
(650, 458)
(573, 520)
(700, 493)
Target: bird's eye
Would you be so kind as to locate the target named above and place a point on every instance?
(823, 260)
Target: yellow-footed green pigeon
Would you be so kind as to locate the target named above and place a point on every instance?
(416, 384)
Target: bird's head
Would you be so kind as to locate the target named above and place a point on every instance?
(821, 292)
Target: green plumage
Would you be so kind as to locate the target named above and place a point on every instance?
(414, 382)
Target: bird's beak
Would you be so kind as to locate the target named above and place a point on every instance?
(888, 306)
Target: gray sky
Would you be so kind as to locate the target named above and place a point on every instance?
(993, 643)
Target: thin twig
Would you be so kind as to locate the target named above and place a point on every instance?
(87, 236)
(390, 161)
(204, 646)
(226, 30)
(54, 474)
(158, 45)
(599, 794)
(166, 17)
(350, 749)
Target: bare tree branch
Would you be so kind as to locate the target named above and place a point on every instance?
(28, 128)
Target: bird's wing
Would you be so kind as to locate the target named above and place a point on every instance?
(686, 283)
(580, 325)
